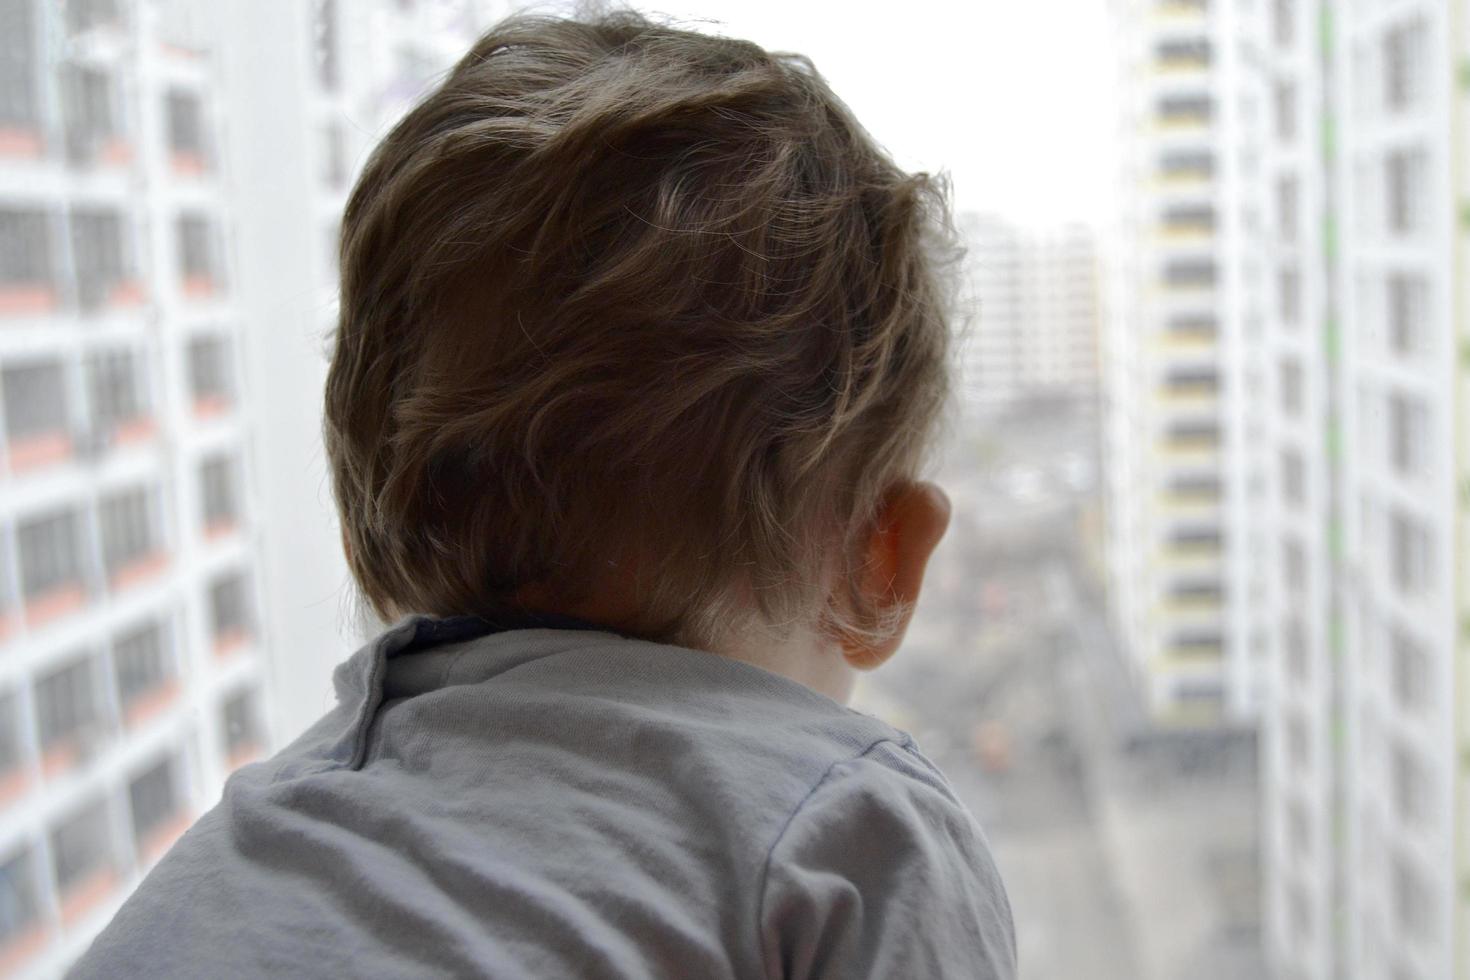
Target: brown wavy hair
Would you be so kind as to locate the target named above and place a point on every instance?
(620, 298)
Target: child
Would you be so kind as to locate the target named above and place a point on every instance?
(643, 342)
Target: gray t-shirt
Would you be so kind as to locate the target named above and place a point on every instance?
(569, 802)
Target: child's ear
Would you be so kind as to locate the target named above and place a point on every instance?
(908, 526)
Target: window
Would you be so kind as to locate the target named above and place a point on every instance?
(1404, 179)
(1192, 381)
(115, 388)
(20, 100)
(217, 488)
(1189, 272)
(1412, 678)
(80, 848)
(1408, 303)
(25, 248)
(11, 747)
(198, 260)
(140, 657)
(240, 722)
(1286, 207)
(334, 155)
(185, 119)
(1412, 902)
(1293, 565)
(1408, 434)
(1295, 646)
(1196, 643)
(1293, 477)
(87, 15)
(209, 371)
(1298, 829)
(66, 703)
(20, 906)
(1298, 744)
(1189, 217)
(1201, 325)
(1193, 434)
(1187, 163)
(1191, 52)
(35, 400)
(1283, 22)
(50, 554)
(1195, 486)
(1202, 536)
(1289, 296)
(1402, 62)
(1411, 786)
(1290, 372)
(1185, 109)
(1411, 550)
(154, 800)
(327, 66)
(91, 111)
(99, 248)
(229, 607)
(128, 531)
(1284, 97)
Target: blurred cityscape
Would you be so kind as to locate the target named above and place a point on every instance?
(1196, 649)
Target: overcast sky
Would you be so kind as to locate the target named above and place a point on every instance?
(1012, 97)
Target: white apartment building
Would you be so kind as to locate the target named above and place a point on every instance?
(171, 180)
(1185, 313)
(1366, 749)
(1033, 294)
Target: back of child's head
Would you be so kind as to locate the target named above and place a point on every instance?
(621, 299)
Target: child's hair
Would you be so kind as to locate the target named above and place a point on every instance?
(621, 297)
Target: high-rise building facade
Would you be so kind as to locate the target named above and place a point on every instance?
(172, 176)
(1185, 311)
(1366, 755)
(1033, 338)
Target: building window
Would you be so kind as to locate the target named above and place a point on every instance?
(1289, 296)
(1407, 302)
(141, 660)
(1285, 103)
(1192, 381)
(80, 848)
(116, 389)
(27, 280)
(1410, 786)
(92, 123)
(1295, 646)
(1413, 682)
(1178, 110)
(1286, 206)
(185, 121)
(328, 67)
(1199, 164)
(20, 99)
(1193, 52)
(20, 905)
(1293, 477)
(1403, 60)
(1298, 745)
(1298, 829)
(67, 709)
(1290, 373)
(218, 489)
(1283, 22)
(1408, 434)
(1293, 565)
(210, 379)
(89, 15)
(199, 260)
(1189, 272)
(103, 264)
(49, 548)
(35, 409)
(1412, 902)
(229, 610)
(129, 531)
(1411, 549)
(154, 800)
(11, 747)
(240, 724)
(1404, 180)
